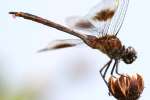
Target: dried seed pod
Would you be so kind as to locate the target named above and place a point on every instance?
(126, 87)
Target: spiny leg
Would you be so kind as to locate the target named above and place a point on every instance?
(114, 66)
(105, 72)
(101, 70)
(117, 72)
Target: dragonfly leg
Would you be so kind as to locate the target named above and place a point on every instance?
(107, 65)
(114, 66)
(117, 72)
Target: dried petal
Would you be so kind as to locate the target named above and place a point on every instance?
(126, 87)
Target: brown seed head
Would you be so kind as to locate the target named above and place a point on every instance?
(126, 88)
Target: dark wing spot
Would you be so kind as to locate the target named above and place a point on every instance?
(84, 24)
(104, 15)
(65, 45)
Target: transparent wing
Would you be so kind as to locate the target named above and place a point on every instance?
(59, 44)
(101, 15)
(119, 16)
(81, 24)
(105, 18)
(78, 22)
(98, 19)
(108, 16)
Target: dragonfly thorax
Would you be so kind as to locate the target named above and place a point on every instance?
(110, 45)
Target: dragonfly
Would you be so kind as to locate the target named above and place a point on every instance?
(102, 24)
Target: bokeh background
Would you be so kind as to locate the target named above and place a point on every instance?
(66, 74)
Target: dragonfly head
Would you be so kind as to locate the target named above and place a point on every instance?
(129, 55)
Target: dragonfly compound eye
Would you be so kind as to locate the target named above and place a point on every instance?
(130, 55)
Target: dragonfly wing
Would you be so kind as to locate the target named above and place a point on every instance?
(119, 16)
(78, 22)
(101, 15)
(108, 15)
(59, 44)
(81, 24)
(104, 18)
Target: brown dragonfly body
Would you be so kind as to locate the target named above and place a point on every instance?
(106, 19)
(109, 45)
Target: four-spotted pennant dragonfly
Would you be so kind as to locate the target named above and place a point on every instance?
(103, 23)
